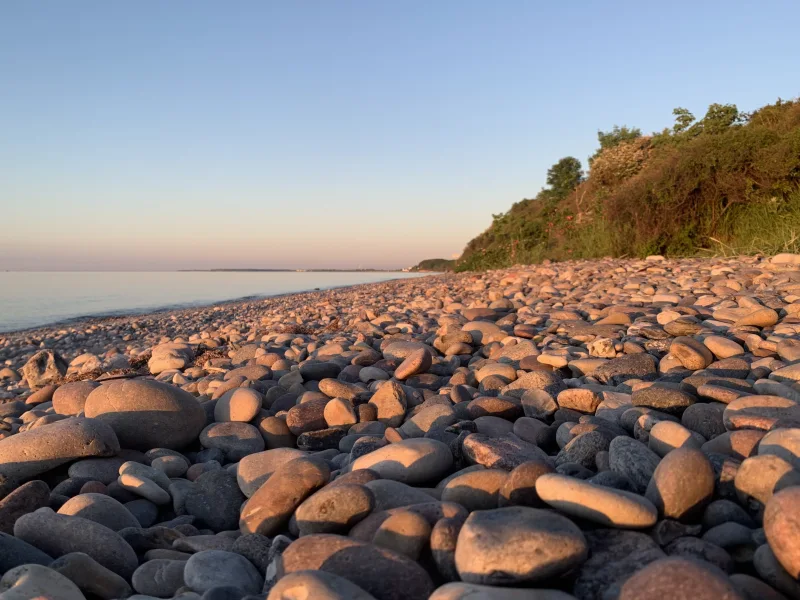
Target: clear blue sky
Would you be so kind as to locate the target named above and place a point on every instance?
(193, 134)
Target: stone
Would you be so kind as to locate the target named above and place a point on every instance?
(583, 400)
(276, 500)
(215, 499)
(759, 477)
(634, 460)
(57, 535)
(318, 370)
(384, 574)
(436, 416)
(28, 582)
(477, 490)
(147, 414)
(519, 488)
(701, 550)
(334, 509)
(91, 577)
(31, 453)
(15, 552)
(722, 347)
(692, 354)
(236, 440)
(418, 361)
(238, 404)
(99, 508)
(583, 449)
(210, 568)
(762, 317)
(666, 436)
(506, 452)
(391, 403)
(596, 503)
(682, 485)
(255, 548)
(538, 404)
(339, 412)
(631, 366)
(662, 398)
(471, 591)
(144, 487)
(43, 368)
(782, 442)
(23, 500)
(760, 412)
(160, 577)
(318, 585)
(411, 461)
(104, 470)
(679, 578)
(405, 532)
(517, 545)
(307, 416)
(255, 469)
(782, 528)
(70, 398)
(752, 588)
(771, 571)
(615, 555)
(166, 357)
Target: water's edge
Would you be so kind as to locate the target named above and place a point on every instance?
(184, 306)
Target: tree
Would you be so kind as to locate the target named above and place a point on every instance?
(719, 117)
(683, 119)
(618, 135)
(564, 176)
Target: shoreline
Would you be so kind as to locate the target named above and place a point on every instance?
(134, 312)
(98, 334)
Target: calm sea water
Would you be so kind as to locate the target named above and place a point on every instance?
(31, 299)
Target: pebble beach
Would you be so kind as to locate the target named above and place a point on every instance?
(615, 429)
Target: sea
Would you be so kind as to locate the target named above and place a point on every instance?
(32, 298)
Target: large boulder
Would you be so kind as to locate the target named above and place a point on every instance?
(147, 414)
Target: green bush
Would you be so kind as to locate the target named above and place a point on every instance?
(726, 183)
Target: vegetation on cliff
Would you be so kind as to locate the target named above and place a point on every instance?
(728, 183)
(439, 265)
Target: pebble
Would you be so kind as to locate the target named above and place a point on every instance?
(334, 509)
(31, 453)
(28, 582)
(383, 573)
(274, 502)
(211, 568)
(782, 528)
(91, 577)
(517, 545)
(147, 414)
(318, 585)
(100, 508)
(411, 461)
(674, 578)
(58, 535)
(682, 485)
(596, 503)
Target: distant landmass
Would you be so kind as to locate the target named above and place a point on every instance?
(435, 264)
(291, 270)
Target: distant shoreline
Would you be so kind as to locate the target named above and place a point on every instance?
(169, 309)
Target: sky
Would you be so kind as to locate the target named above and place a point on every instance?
(334, 134)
